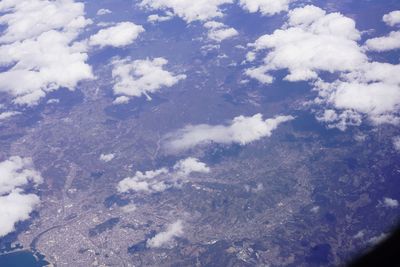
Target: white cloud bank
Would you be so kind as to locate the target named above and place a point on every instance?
(314, 42)
(266, 7)
(141, 77)
(164, 238)
(162, 179)
(241, 130)
(218, 31)
(392, 18)
(188, 10)
(33, 73)
(120, 35)
(15, 205)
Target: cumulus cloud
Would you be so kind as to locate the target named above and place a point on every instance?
(15, 205)
(392, 18)
(396, 143)
(164, 238)
(103, 11)
(385, 43)
(188, 10)
(120, 35)
(186, 166)
(32, 73)
(266, 7)
(241, 130)
(107, 157)
(390, 202)
(162, 179)
(157, 18)
(313, 42)
(218, 31)
(141, 77)
(8, 114)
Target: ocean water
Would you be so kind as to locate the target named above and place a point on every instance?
(22, 259)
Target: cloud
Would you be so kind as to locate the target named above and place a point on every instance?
(266, 7)
(188, 10)
(386, 43)
(390, 203)
(103, 11)
(120, 35)
(162, 179)
(8, 114)
(396, 143)
(163, 238)
(141, 77)
(372, 90)
(31, 73)
(313, 42)
(392, 18)
(107, 157)
(241, 130)
(186, 166)
(219, 31)
(15, 205)
(157, 18)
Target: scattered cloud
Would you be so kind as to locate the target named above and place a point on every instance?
(162, 179)
(120, 35)
(15, 205)
(103, 11)
(385, 43)
(157, 18)
(241, 130)
(218, 31)
(107, 157)
(32, 73)
(392, 18)
(188, 10)
(396, 143)
(313, 42)
(164, 238)
(266, 7)
(390, 202)
(8, 114)
(141, 77)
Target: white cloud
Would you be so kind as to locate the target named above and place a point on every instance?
(157, 18)
(392, 18)
(385, 43)
(266, 7)
(396, 143)
(32, 73)
(103, 11)
(15, 205)
(241, 130)
(162, 179)
(164, 238)
(189, 10)
(390, 202)
(186, 166)
(218, 31)
(141, 77)
(8, 114)
(120, 35)
(107, 157)
(313, 42)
